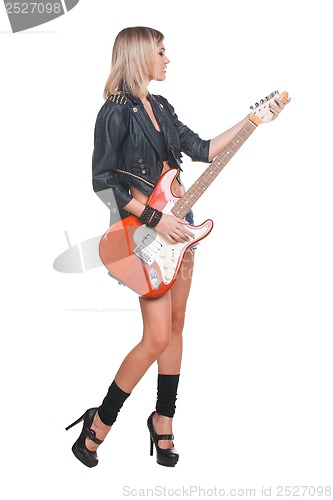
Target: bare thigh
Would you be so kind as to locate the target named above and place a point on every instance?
(157, 317)
(169, 362)
(160, 316)
(181, 289)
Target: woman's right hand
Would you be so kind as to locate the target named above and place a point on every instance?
(174, 229)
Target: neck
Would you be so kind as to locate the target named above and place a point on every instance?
(144, 97)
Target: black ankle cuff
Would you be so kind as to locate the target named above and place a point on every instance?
(112, 403)
(167, 386)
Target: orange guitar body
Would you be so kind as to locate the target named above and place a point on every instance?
(138, 256)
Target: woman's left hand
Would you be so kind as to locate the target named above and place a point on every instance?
(277, 107)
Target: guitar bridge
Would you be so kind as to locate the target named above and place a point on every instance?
(145, 254)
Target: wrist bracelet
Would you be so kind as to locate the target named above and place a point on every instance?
(147, 214)
(157, 216)
(150, 216)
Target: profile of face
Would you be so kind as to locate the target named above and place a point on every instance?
(160, 63)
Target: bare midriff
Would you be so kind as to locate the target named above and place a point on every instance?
(176, 188)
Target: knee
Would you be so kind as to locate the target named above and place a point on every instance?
(157, 344)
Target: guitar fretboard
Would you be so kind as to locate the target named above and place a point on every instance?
(186, 202)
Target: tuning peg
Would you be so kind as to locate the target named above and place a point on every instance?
(262, 101)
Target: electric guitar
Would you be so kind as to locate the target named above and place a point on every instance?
(142, 259)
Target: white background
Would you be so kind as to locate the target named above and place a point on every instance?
(254, 405)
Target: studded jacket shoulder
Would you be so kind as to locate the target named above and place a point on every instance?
(125, 153)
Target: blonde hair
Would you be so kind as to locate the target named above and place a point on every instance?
(132, 61)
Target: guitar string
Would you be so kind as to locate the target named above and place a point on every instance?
(207, 177)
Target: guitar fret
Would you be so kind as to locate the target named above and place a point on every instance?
(186, 202)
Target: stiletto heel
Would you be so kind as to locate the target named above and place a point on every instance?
(87, 457)
(168, 457)
(76, 422)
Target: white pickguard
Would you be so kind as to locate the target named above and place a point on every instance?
(152, 247)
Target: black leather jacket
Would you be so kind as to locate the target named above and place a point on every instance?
(125, 153)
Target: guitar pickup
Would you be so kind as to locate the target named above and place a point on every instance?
(152, 242)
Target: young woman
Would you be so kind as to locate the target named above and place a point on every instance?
(138, 137)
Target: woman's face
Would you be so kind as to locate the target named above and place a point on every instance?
(161, 61)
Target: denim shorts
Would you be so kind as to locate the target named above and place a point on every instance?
(190, 219)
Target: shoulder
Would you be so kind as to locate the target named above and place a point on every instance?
(117, 99)
(114, 106)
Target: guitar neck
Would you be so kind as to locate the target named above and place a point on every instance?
(186, 202)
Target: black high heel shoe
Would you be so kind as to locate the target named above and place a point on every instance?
(168, 457)
(87, 457)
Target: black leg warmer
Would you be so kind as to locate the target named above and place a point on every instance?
(113, 401)
(167, 386)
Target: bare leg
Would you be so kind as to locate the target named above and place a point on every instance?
(156, 314)
(169, 362)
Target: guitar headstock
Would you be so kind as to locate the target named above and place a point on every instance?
(260, 110)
